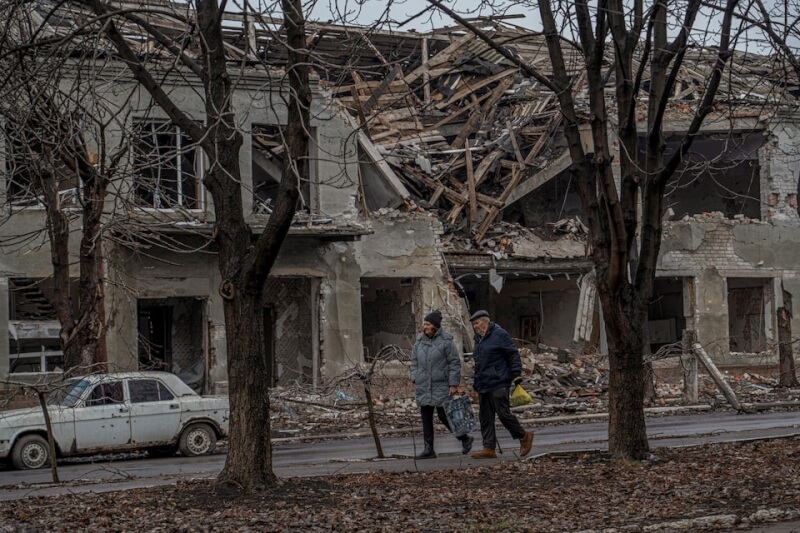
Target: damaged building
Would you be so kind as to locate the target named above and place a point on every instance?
(439, 179)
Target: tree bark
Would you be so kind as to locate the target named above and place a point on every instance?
(788, 375)
(627, 431)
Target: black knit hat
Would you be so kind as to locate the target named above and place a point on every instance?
(435, 318)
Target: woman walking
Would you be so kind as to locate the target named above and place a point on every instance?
(436, 374)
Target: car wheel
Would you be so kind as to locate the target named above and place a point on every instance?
(30, 452)
(197, 439)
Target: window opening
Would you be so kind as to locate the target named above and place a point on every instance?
(105, 394)
(167, 165)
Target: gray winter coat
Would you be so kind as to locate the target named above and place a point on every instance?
(435, 366)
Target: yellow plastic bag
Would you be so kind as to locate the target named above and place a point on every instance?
(520, 397)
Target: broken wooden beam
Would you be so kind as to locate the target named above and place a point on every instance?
(473, 200)
(717, 376)
(516, 176)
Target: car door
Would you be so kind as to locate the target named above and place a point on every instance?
(61, 407)
(102, 420)
(155, 412)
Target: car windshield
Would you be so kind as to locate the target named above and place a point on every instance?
(68, 394)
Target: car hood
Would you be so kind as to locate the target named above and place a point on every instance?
(30, 416)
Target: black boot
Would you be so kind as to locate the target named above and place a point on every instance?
(427, 453)
(466, 444)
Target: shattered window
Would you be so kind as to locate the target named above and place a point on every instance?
(106, 393)
(167, 167)
(148, 390)
(32, 164)
(268, 162)
(720, 173)
(68, 394)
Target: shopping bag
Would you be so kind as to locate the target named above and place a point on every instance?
(460, 415)
(520, 397)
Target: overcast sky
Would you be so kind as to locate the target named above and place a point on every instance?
(366, 12)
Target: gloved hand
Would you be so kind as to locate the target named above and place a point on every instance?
(517, 380)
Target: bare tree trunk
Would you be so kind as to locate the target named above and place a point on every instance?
(51, 444)
(627, 432)
(788, 375)
(373, 426)
(248, 464)
(57, 144)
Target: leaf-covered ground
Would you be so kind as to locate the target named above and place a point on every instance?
(722, 487)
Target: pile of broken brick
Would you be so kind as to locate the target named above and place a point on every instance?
(562, 384)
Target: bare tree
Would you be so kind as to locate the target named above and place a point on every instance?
(58, 163)
(244, 261)
(197, 51)
(629, 44)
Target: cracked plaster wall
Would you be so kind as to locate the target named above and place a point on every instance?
(711, 249)
(780, 161)
(408, 246)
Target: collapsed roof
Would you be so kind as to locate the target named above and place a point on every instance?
(451, 125)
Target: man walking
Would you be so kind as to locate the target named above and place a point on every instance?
(497, 366)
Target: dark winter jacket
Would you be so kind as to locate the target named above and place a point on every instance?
(496, 360)
(435, 366)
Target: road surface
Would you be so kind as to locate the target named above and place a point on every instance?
(358, 455)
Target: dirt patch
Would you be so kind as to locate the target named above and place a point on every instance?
(737, 484)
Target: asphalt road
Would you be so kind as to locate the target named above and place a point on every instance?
(357, 455)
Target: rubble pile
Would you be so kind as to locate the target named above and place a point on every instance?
(557, 384)
(560, 382)
(458, 123)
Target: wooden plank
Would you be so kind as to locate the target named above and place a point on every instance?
(515, 144)
(426, 77)
(540, 143)
(380, 162)
(467, 129)
(381, 136)
(472, 88)
(562, 163)
(451, 117)
(483, 168)
(396, 71)
(451, 195)
(516, 176)
(440, 58)
(473, 201)
(436, 194)
(452, 216)
(497, 92)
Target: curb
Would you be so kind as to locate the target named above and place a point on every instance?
(760, 517)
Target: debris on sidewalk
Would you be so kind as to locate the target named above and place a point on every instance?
(561, 383)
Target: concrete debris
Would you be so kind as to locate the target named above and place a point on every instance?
(570, 225)
(560, 382)
(504, 239)
(717, 216)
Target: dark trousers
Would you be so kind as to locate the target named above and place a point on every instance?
(496, 403)
(426, 411)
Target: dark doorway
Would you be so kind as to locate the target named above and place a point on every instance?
(666, 320)
(388, 314)
(155, 339)
(748, 301)
(172, 337)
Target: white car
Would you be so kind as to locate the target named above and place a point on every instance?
(125, 411)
